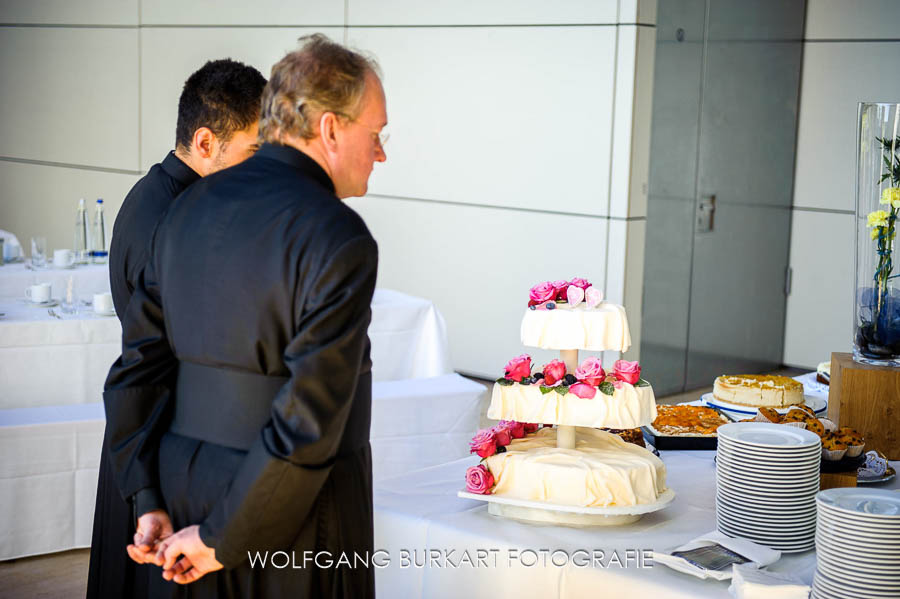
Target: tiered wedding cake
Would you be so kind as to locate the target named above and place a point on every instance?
(573, 473)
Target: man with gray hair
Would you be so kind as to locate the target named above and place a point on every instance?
(261, 444)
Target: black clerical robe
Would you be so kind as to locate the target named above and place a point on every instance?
(257, 295)
(111, 572)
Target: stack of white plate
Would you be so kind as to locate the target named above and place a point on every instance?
(857, 544)
(767, 477)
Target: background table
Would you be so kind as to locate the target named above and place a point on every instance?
(89, 279)
(421, 511)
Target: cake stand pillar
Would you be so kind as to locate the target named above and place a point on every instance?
(565, 435)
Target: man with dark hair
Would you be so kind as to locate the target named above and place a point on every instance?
(218, 115)
(262, 444)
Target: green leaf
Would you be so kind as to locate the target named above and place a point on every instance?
(545, 389)
(642, 383)
(504, 382)
(561, 389)
(606, 388)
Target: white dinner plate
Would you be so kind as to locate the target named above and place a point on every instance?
(818, 404)
(855, 548)
(846, 590)
(808, 491)
(875, 504)
(770, 454)
(858, 520)
(885, 568)
(763, 517)
(802, 509)
(770, 535)
(881, 563)
(741, 472)
(765, 435)
(860, 529)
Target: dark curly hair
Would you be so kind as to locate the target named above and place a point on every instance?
(223, 96)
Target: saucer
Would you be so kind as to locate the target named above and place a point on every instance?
(105, 312)
(48, 304)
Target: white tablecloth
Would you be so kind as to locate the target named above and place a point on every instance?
(45, 361)
(49, 456)
(420, 511)
(89, 279)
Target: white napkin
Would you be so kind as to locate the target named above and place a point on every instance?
(758, 555)
(11, 247)
(749, 582)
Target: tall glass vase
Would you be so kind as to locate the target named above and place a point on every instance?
(877, 306)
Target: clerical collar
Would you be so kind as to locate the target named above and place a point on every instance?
(178, 170)
(298, 160)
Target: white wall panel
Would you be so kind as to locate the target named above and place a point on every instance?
(241, 12)
(631, 121)
(169, 56)
(70, 95)
(42, 200)
(625, 275)
(478, 12)
(477, 265)
(637, 11)
(67, 12)
(514, 117)
(860, 19)
(819, 317)
(835, 77)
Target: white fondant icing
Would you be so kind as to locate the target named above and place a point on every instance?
(628, 407)
(597, 329)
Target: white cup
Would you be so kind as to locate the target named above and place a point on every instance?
(63, 258)
(103, 303)
(39, 294)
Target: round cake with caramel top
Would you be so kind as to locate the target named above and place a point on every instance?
(758, 390)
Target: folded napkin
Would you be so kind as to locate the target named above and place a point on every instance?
(11, 247)
(875, 466)
(748, 582)
(757, 555)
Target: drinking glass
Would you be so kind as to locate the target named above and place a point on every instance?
(39, 252)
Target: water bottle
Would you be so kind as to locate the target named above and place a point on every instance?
(81, 234)
(98, 236)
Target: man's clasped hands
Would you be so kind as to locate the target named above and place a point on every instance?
(182, 555)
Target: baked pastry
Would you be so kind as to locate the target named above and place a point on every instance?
(758, 390)
(833, 448)
(768, 415)
(629, 435)
(813, 425)
(854, 441)
(805, 408)
(687, 420)
(794, 415)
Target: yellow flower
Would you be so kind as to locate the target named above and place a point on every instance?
(891, 195)
(875, 232)
(878, 218)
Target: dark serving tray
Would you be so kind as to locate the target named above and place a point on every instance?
(664, 442)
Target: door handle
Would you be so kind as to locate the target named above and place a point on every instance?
(706, 212)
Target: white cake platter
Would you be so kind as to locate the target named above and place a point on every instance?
(818, 404)
(568, 515)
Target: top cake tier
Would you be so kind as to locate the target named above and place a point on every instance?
(601, 328)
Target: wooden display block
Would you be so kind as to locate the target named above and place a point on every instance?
(834, 480)
(866, 398)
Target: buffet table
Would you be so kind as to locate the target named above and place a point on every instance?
(48, 360)
(420, 511)
(88, 279)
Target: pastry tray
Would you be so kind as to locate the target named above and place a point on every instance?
(666, 442)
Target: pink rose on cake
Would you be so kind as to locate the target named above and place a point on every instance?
(484, 443)
(591, 372)
(579, 282)
(560, 287)
(531, 427)
(501, 435)
(479, 480)
(583, 390)
(516, 429)
(629, 372)
(542, 292)
(554, 371)
(518, 368)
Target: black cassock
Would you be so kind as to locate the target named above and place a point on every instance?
(256, 302)
(112, 573)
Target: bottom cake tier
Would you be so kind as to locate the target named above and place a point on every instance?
(602, 471)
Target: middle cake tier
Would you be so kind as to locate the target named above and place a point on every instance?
(628, 407)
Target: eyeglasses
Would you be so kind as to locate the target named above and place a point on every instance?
(381, 137)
